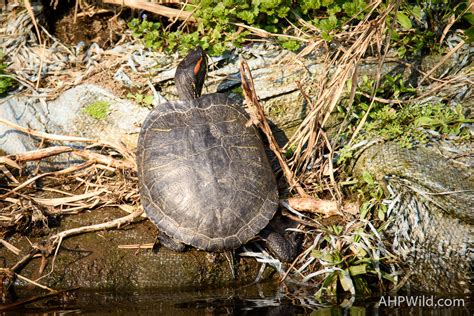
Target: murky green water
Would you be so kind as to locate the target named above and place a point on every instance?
(256, 299)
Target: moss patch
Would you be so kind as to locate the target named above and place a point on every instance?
(98, 110)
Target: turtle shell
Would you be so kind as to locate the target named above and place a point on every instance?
(204, 176)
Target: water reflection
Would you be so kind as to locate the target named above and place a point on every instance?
(256, 299)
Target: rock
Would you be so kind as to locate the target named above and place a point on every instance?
(431, 218)
(72, 113)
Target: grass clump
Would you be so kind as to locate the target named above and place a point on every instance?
(352, 256)
(97, 110)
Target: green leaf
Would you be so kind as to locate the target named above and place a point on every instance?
(356, 270)
(364, 209)
(317, 254)
(469, 35)
(387, 276)
(381, 214)
(469, 17)
(98, 110)
(337, 229)
(291, 45)
(326, 36)
(148, 100)
(247, 16)
(404, 20)
(416, 11)
(368, 178)
(402, 51)
(425, 121)
(219, 9)
(394, 35)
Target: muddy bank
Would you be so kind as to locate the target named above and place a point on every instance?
(94, 260)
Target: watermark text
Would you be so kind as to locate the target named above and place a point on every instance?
(420, 301)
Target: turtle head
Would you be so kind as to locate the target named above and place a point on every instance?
(190, 74)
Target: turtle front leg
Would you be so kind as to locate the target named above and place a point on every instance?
(170, 243)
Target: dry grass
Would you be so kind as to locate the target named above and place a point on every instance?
(106, 177)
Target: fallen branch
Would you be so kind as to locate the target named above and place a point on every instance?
(65, 200)
(116, 223)
(106, 160)
(307, 204)
(154, 8)
(259, 117)
(40, 153)
(60, 172)
(325, 207)
(46, 135)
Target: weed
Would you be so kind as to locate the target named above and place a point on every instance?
(6, 82)
(143, 100)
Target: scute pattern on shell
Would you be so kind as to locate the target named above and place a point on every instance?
(204, 176)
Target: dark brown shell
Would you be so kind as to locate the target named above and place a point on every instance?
(205, 179)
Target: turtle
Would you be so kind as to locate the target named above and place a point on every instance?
(204, 176)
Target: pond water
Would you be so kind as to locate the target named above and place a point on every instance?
(255, 299)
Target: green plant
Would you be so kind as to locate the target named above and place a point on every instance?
(373, 194)
(406, 124)
(409, 124)
(469, 32)
(351, 256)
(217, 22)
(6, 82)
(354, 256)
(144, 100)
(98, 110)
(420, 25)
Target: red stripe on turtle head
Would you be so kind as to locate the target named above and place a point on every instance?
(197, 67)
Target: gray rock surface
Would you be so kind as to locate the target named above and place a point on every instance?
(432, 212)
(66, 116)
